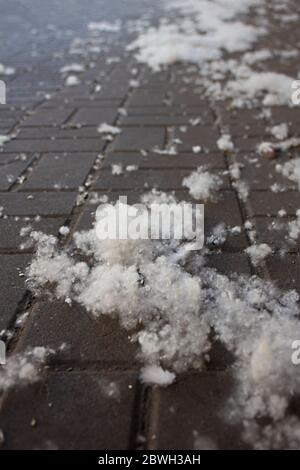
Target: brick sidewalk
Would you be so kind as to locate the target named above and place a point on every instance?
(54, 170)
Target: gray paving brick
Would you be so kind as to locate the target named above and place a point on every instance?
(60, 171)
(48, 118)
(242, 122)
(89, 340)
(12, 286)
(229, 263)
(204, 136)
(250, 144)
(65, 132)
(269, 203)
(42, 203)
(204, 428)
(167, 179)
(140, 138)
(189, 98)
(94, 116)
(285, 271)
(167, 111)
(113, 90)
(10, 227)
(11, 168)
(81, 102)
(147, 98)
(72, 410)
(155, 120)
(154, 160)
(58, 145)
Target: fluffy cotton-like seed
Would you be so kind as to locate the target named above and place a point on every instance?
(23, 368)
(225, 143)
(202, 184)
(155, 375)
(258, 253)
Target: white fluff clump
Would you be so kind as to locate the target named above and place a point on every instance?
(5, 70)
(155, 375)
(171, 306)
(72, 80)
(104, 26)
(291, 170)
(225, 143)
(4, 139)
(202, 184)
(294, 227)
(75, 68)
(274, 88)
(280, 132)
(219, 30)
(116, 169)
(23, 368)
(157, 197)
(258, 253)
(266, 386)
(108, 129)
(136, 280)
(257, 322)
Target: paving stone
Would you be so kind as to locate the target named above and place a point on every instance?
(147, 98)
(12, 286)
(193, 112)
(80, 102)
(94, 116)
(189, 98)
(285, 271)
(153, 160)
(149, 79)
(58, 145)
(261, 173)
(89, 340)
(265, 180)
(284, 114)
(42, 203)
(9, 113)
(155, 120)
(269, 203)
(48, 118)
(206, 137)
(113, 90)
(229, 263)
(72, 410)
(140, 138)
(64, 132)
(82, 90)
(11, 168)
(274, 232)
(242, 122)
(191, 414)
(249, 144)
(10, 227)
(167, 179)
(60, 172)
(10, 268)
